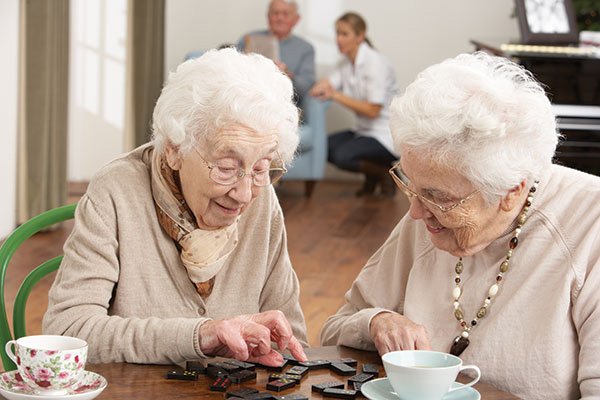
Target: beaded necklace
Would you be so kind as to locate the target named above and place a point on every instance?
(461, 342)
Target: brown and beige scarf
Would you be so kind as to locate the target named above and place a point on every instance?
(202, 252)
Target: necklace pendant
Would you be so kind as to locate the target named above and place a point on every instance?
(459, 344)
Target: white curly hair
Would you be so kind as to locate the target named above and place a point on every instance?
(222, 88)
(484, 116)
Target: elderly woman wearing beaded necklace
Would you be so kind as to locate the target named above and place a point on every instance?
(497, 259)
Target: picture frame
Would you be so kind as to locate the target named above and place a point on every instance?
(547, 22)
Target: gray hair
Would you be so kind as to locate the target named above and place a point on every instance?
(486, 117)
(293, 3)
(220, 89)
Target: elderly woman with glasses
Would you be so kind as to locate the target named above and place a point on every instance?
(179, 248)
(498, 258)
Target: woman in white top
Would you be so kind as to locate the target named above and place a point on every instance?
(365, 83)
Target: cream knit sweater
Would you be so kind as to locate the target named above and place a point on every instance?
(122, 286)
(541, 336)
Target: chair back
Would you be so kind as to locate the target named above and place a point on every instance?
(7, 250)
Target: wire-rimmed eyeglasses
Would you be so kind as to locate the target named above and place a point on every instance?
(402, 182)
(225, 174)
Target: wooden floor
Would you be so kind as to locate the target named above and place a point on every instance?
(330, 237)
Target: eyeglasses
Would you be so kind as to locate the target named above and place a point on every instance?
(228, 174)
(402, 182)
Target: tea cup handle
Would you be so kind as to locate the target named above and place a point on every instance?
(9, 351)
(474, 381)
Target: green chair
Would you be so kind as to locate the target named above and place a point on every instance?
(7, 250)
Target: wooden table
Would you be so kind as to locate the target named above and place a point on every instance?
(132, 381)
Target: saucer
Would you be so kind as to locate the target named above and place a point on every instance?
(380, 389)
(13, 388)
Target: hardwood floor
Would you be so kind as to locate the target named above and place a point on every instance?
(330, 237)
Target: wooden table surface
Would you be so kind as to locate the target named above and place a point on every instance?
(132, 381)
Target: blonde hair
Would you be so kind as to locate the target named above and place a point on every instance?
(357, 23)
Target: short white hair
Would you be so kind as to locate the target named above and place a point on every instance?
(220, 89)
(293, 3)
(484, 116)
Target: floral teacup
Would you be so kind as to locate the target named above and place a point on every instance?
(49, 364)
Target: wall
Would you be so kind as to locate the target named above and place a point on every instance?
(412, 34)
(9, 44)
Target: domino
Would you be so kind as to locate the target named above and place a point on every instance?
(339, 393)
(342, 369)
(242, 376)
(348, 361)
(182, 375)
(356, 386)
(297, 370)
(215, 372)
(281, 384)
(290, 359)
(315, 364)
(243, 392)
(230, 368)
(220, 384)
(276, 369)
(292, 397)
(281, 375)
(361, 378)
(320, 387)
(195, 366)
(260, 396)
(372, 369)
(241, 364)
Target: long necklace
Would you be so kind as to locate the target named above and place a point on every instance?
(461, 342)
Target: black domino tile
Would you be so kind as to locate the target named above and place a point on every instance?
(370, 369)
(339, 393)
(320, 387)
(220, 384)
(242, 392)
(361, 378)
(241, 364)
(281, 384)
(242, 376)
(342, 369)
(182, 375)
(195, 366)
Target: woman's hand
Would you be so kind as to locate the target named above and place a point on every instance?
(322, 90)
(249, 337)
(391, 332)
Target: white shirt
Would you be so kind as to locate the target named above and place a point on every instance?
(371, 79)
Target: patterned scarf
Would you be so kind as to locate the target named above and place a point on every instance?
(202, 252)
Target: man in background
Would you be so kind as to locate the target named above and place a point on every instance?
(296, 55)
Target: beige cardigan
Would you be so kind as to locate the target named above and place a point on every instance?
(122, 287)
(541, 336)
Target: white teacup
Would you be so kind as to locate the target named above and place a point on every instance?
(49, 364)
(424, 375)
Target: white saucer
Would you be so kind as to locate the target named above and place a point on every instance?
(380, 389)
(13, 388)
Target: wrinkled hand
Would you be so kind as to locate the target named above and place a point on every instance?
(249, 337)
(322, 90)
(390, 332)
